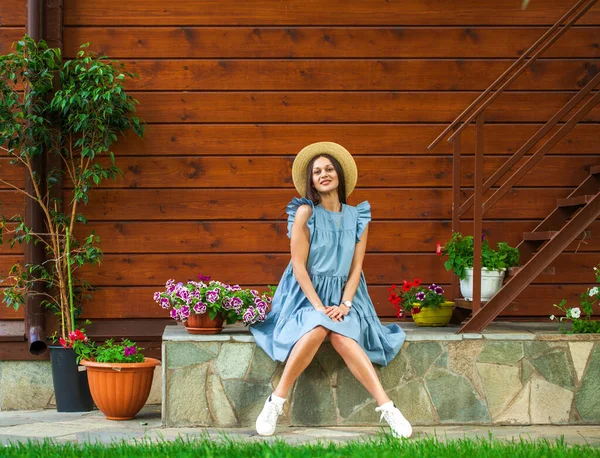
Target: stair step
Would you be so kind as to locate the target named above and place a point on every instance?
(574, 201)
(541, 235)
(512, 271)
(595, 170)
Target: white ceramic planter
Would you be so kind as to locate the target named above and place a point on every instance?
(491, 282)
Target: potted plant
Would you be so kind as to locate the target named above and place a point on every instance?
(73, 127)
(204, 305)
(581, 317)
(459, 250)
(426, 305)
(119, 375)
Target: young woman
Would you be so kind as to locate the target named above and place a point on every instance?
(323, 290)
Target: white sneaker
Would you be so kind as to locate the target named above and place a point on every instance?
(399, 425)
(267, 420)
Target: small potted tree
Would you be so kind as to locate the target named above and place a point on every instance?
(459, 250)
(73, 127)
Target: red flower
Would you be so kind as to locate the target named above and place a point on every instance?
(415, 310)
(438, 249)
(406, 286)
(391, 288)
(417, 282)
(62, 342)
(400, 314)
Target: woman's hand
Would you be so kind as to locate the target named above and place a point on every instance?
(337, 312)
(320, 308)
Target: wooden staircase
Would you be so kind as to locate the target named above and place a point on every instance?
(540, 247)
(572, 214)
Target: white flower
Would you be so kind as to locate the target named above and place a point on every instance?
(552, 317)
(575, 312)
(593, 291)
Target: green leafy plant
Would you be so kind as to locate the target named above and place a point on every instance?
(74, 128)
(110, 352)
(581, 317)
(459, 250)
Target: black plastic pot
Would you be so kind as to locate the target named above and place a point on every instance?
(70, 382)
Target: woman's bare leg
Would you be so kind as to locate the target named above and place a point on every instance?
(359, 364)
(302, 354)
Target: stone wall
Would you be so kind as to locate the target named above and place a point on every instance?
(27, 385)
(510, 378)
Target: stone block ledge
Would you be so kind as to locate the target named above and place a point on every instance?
(512, 374)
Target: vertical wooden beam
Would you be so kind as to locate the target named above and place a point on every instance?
(477, 213)
(456, 143)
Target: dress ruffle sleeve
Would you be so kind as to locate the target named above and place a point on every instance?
(291, 210)
(364, 217)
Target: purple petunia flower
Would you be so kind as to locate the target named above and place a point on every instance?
(236, 288)
(203, 277)
(236, 302)
(249, 315)
(184, 294)
(438, 290)
(184, 312)
(128, 351)
(254, 293)
(174, 314)
(227, 305)
(157, 296)
(432, 287)
(200, 307)
(420, 296)
(170, 285)
(212, 295)
(164, 303)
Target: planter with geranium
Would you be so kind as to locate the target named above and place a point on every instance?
(459, 250)
(204, 305)
(426, 304)
(119, 375)
(71, 389)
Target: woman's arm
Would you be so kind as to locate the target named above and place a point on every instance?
(353, 278)
(300, 246)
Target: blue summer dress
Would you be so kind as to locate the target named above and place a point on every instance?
(333, 237)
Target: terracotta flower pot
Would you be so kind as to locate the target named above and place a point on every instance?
(438, 316)
(120, 390)
(202, 324)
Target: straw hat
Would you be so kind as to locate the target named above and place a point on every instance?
(341, 154)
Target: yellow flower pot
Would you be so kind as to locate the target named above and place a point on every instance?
(438, 316)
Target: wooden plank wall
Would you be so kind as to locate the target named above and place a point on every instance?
(232, 90)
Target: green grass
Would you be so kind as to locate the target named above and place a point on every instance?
(380, 447)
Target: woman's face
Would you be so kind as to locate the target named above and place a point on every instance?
(324, 177)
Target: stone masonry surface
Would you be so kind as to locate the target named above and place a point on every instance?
(508, 375)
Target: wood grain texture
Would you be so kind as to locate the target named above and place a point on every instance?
(12, 13)
(352, 75)
(360, 139)
(154, 41)
(8, 35)
(380, 268)
(374, 171)
(318, 12)
(271, 236)
(317, 107)
(269, 204)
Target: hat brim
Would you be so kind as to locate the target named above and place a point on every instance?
(341, 154)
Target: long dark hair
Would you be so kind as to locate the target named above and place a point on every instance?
(312, 193)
